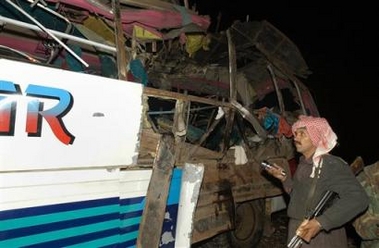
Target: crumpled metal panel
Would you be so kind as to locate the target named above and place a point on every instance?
(276, 46)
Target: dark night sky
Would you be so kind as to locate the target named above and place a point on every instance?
(340, 44)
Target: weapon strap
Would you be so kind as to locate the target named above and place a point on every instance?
(312, 189)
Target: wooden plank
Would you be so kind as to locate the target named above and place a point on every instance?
(157, 193)
(149, 142)
(120, 47)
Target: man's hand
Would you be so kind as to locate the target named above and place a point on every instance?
(277, 172)
(308, 229)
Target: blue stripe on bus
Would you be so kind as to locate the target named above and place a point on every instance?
(127, 206)
(35, 229)
(78, 230)
(61, 234)
(107, 242)
(129, 228)
(33, 211)
(110, 222)
(131, 214)
(18, 230)
(79, 239)
(18, 222)
(111, 237)
(131, 201)
(174, 190)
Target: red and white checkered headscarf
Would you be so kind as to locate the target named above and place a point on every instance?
(320, 133)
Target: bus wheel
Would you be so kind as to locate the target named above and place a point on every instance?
(249, 221)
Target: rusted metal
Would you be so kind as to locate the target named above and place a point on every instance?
(233, 90)
(174, 95)
(215, 205)
(226, 184)
(277, 90)
(304, 112)
(232, 67)
(250, 118)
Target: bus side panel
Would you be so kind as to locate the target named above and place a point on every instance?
(53, 119)
(88, 208)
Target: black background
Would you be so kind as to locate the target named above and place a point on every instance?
(340, 44)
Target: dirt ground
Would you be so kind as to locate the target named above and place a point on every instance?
(278, 238)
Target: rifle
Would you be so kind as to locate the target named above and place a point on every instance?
(296, 240)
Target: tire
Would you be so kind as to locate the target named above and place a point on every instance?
(249, 220)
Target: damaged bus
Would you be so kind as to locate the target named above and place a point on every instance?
(128, 124)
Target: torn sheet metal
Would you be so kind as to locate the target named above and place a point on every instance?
(189, 194)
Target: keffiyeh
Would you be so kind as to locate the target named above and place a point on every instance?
(321, 135)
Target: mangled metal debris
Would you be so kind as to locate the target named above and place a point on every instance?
(226, 99)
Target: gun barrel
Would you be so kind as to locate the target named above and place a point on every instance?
(295, 242)
(321, 204)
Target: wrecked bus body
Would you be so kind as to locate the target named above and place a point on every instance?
(137, 129)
